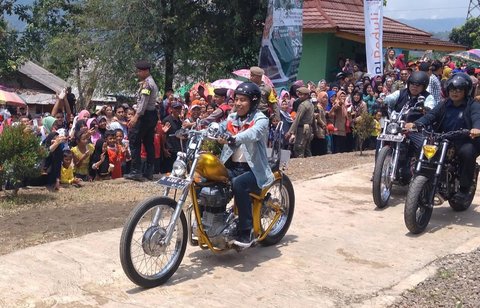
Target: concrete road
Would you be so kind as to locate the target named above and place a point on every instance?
(339, 251)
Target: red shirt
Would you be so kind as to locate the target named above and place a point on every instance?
(116, 157)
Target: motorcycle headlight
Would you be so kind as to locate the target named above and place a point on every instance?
(179, 168)
(429, 150)
(393, 129)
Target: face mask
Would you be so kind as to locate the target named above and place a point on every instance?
(314, 100)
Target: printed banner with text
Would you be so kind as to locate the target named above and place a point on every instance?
(373, 10)
(282, 41)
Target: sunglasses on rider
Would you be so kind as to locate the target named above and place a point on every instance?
(416, 84)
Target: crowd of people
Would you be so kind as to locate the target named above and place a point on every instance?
(318, 118)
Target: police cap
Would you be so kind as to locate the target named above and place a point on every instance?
(257, 71)
(143, 65)
(221, 92)
(303, 90)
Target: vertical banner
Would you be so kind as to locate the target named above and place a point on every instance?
(373, 10)
(281, 49)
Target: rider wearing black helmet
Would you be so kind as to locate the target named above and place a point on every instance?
(245, 155)
(417, 85)
(459, 111)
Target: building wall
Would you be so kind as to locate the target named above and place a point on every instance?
(321, 54)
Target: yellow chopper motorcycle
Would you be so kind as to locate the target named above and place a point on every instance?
(155, 235)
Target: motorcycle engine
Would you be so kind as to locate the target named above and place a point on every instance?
(213, 201)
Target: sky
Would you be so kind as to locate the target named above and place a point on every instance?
(420, 9)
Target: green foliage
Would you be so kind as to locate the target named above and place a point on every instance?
(363, 128)
(212, 146)
(20, 155)
(185, 39)
(468, 34)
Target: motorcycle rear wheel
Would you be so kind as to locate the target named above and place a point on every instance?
(459, 207)
(381, 184)
(417, 213)
(146, 262)
(285, 195)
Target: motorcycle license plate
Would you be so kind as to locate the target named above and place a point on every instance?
(173, 182)
(394, 138)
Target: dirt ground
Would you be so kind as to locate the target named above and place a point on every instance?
(37, 216)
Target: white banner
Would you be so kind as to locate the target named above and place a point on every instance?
(373, 10)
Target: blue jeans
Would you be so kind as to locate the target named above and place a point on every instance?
(244, 183)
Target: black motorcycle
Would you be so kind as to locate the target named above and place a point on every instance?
(393, 164)
(436, 179)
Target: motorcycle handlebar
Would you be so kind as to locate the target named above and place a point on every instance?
(447, 135)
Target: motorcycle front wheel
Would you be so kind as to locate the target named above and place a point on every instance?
(417, 212)
(145, 260)
(283, 194)
(382, 184)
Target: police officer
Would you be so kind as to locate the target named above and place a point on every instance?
(268, 101)
(223, 108)
(460, 111)
(302, 125)
(141, 128)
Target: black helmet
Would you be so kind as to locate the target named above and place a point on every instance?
(340, 75)
(419, 77)
(252, 91)
(459, 81)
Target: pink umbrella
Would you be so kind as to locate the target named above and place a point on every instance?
(11, 98)
(246, 74)
(226, 83)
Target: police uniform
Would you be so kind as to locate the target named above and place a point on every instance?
(302, 126)
(268, 101)
(144, 129)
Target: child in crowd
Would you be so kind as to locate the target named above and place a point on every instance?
(82, 153)
(123, 142)
(66, 175)
(100, 165)
(116, 152)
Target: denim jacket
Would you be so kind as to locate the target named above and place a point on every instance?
(250, 136)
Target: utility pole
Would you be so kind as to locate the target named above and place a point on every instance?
(473, 9)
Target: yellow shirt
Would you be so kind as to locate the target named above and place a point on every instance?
(82, 168)
(66, 175)
(378, 128)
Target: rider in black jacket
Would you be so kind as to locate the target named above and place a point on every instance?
(460, 111)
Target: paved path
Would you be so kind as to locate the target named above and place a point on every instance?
(339, 251)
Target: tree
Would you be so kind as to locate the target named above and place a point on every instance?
(10, 48)
(363, 129)
(20, 156)
(468, 34)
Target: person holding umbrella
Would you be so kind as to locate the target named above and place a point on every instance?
(268, 101)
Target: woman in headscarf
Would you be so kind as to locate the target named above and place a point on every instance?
(319, 142)
(400, 62)
(340, 117)
(99, 161)
(47, 125)
(92, 125)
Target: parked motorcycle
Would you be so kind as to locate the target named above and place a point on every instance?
(155, 235)
(436, 180)
(393, 164)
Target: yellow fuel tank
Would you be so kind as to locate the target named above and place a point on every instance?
(211, 168)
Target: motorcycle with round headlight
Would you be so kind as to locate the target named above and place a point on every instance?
(156, 233)
(436, 179)
(393, 164)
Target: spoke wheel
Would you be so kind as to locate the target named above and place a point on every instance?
(146, 259)
(382, 184)
(280, 194)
